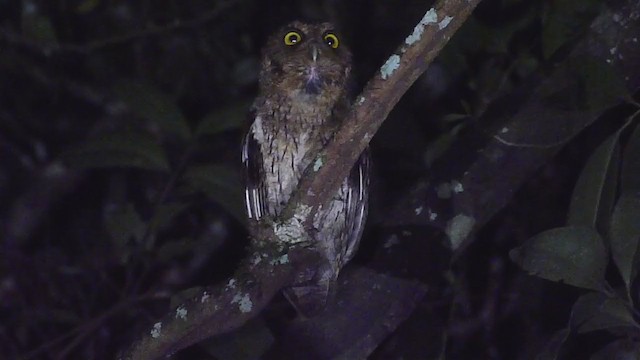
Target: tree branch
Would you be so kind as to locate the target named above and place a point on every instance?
(224, 308)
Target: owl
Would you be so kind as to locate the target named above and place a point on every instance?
(303, 97)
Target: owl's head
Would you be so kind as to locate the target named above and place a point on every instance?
(305, 59)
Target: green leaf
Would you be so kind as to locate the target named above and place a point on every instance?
(441, 144)
(596, 311)
(623, 349)
(38, 28)
(574, 255)
(631, 164)
(600, 86)
(565, 21)
(624, 235)
(125, 226)
(553, 347)
(165, 214)
(185, 295)
(221, 185)
(228, 118)
(594, 193)
(87, 6)
(249, 342)
(152, 105)
(121, 149)
(171, 250)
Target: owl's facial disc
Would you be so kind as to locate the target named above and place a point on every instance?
(306, 60)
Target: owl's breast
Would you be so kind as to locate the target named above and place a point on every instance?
(286, 151)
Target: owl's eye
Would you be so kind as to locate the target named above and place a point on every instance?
(292, 38)
(331, 39)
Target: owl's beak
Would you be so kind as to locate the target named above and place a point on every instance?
(314, 53)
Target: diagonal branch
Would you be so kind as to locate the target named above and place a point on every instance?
(225, 307)
(281, 250)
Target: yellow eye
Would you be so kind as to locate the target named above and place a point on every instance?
(331, 39)
(292, 38)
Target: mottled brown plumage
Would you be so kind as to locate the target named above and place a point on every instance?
(303, 96)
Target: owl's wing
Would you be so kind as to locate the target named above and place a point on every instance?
(255, 191)
(310, 297)
(357, 201)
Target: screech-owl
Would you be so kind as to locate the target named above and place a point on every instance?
(302, 98)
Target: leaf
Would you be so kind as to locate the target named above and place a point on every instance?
(171, 250)
(574, 255)
(152, 105)
(251, 341)
(121, 149)
(623, 349)
(600, 84)
(125, 226)
(220, 184)
(565, 21)
(228, 118)
(185, 295)
(631, 164)
(554, 345)
(624, 234)
(87, 6)
(596, 311)
(38, 28)
(441, 144)
(165, 214)
(594, 193)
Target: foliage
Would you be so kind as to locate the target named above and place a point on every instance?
(604, 214)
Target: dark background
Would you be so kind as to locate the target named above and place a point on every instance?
(120, 125)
